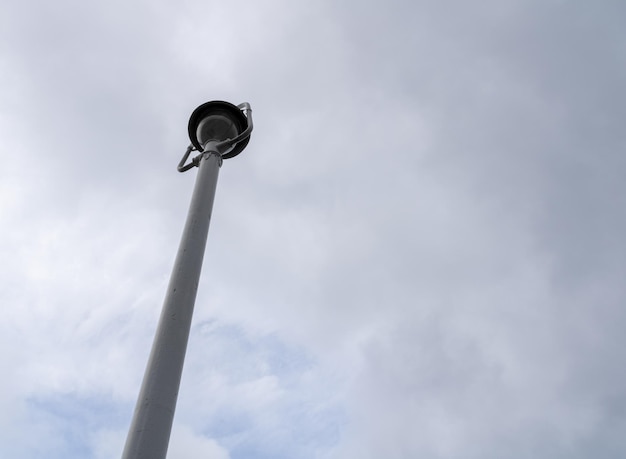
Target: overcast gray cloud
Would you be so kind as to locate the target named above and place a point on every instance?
(419, 254)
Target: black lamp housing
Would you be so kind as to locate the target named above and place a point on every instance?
(220, 121)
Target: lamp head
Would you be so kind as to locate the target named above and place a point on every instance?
(218, 121)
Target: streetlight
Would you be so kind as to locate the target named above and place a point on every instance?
(218, 130)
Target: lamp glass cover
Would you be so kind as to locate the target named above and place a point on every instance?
(216, 127)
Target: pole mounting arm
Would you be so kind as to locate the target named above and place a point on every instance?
(182, 167)
(245, 107)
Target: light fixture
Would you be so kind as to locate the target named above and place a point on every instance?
(221, 122)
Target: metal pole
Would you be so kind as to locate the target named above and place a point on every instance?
(149, 433)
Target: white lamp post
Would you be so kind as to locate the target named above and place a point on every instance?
(218, 130)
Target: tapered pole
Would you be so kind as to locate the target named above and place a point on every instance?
(149, 433)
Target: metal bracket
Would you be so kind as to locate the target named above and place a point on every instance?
(182, 167)
(195, 162)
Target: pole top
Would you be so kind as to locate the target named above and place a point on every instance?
(220, 121)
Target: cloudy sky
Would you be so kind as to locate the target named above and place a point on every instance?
(419, 255)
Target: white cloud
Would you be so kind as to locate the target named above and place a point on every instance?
(419, 253)
(185, 443)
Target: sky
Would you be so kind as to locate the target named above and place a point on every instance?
(420, 254)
